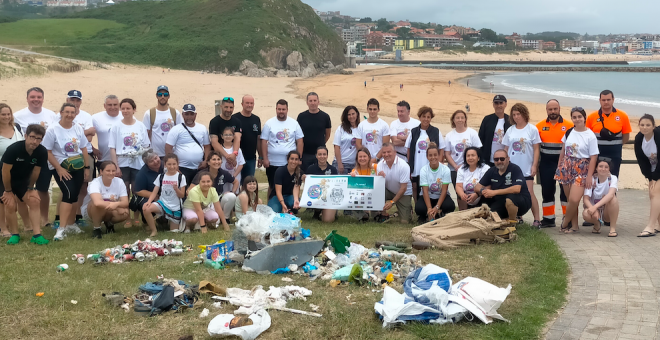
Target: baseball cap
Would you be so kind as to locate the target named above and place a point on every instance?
(499, 98)
(74, 94)
(162, 87)
(189, 108)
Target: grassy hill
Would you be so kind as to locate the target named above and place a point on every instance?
(54, 31)
(192, 34)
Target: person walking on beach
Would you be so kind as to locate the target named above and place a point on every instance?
(400, 129)
(365, 84)
(315, 125)
(492, 129)
(551, 131)
(612, 129)
(450, 83)
(250, 136)
(373, 132)
(218, 125)
(161, 119)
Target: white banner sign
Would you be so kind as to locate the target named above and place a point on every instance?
(344, 192)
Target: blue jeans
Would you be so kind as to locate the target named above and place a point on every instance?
(347, 167)
(248, 169)
(274, 203)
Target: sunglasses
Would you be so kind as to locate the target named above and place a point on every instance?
(499, 159)
(162, 94)
(577, 108)
(228, 99)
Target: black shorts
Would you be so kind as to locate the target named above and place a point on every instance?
(529, 178)
(19, 188)
(270, 173)
(43, 182)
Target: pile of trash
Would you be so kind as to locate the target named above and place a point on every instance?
(157, 297)
(266, 227)
(216, 255)
(137, 251)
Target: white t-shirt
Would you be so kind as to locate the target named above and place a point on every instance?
(6, 142)
(189, 152)
(346, 143)
(471, 179)
(521, 146)
(126, 140)
(599, 190)
(372, 135)
(240, 160)
(434, 179)
(420, 150)
(113, 193)
(651, 151)
(44, 118)
(167, 194)
(103, 123)
(580, 144)
(83, 119)
(397, 128)
(397, 174)
(162, 126)
(65, 143)
(498, 137)
(458, 142)
(281, 137)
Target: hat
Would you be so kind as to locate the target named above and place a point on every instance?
(189, 108)
(74, 94)
(499, 98)
(163, 87)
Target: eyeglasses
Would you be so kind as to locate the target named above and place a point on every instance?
(499, 159)
(162, 94)
(228, 99)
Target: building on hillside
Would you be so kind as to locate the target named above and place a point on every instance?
(548, 45)
(438, 40)
(464, 32)
(635, 44)
(66, 3)
(408, 44)
(381, 39)
(592, 44)
(648, 45)
(515, 38)
(403, 24)
(355, 33)
(487, 44)
(429, 30)
(567, 43)
(531, 44)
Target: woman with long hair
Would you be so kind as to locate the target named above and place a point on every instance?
(647, 144)
(286, 196)
(344, 140)
(223, 181)
(457, 141)
(9, 134)
(417, 143)
(472, 168)
(248, 199)
(600, 202)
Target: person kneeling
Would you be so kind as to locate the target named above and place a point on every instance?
(203, 205)
(106, 200)
(322, 168)
(601, 205)
(287, 180)
(434, 179)
(504, 188)
(398, 188)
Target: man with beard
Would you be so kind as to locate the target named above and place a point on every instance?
(551, 130)
(160, 120)
(218, 125)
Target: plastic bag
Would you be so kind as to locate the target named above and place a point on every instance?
(342, 274)
(486, 297)
(355, 251)
(219, 326)
(339, 243)
(397, 308)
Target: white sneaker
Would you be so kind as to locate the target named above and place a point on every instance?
(59, 234)
(73, 228)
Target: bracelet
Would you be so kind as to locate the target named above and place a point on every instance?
(87, 167)
(202, 226)
(7, 190)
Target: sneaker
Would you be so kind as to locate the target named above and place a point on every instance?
(81, 223)
(73, 229)
(59, 235)
(97, 233)
(536, 224)
(547, 223)
(39, 240)
(587, 224)
(187, 231)
(109, 228)
(14, 239)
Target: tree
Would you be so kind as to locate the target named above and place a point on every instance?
(404, 32)
(366, 19)
(488, 34)
(337, 20)
(383, 25)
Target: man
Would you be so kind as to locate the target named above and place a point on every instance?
(373, 132)
(160, 120)
(398, 188)
(400, 128)
(190, 142)
(103, 122)
(492, 129)
(612, 129)
(250, 136)
(218, 125)
(35, 113)
(504, 188)
(551, 130)
(280, 135)
(21, 164)
(316, 127)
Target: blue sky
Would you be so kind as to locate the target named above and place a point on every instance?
(507, 16)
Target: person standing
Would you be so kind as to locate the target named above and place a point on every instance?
(218, 125)
(103, 123)
(612, 129)
(345, 140)
(398, 189)
(400, 129)
(190, 142)
(280, 135)
(35, 113)
(10, 133)
(250, 137)
(551, 131)
(647, 144)
(160, 120)
(417, 144)
(457, 141)
(373, 132)
(316, 127)
(492, 129)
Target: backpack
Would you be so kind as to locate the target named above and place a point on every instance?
(178, 182)
(18, 128)
(152, 116)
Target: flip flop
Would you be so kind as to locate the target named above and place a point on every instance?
(655, 231)
(572, 231)
(646, 234)
(595, 231)
(613, 234)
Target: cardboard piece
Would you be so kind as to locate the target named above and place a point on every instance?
(281, 255)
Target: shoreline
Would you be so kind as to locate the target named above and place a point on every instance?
(491, 62)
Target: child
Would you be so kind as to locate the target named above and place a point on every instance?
(601, 205)
(203, 205)
(248, 198)
(228, 145)
(173, 185)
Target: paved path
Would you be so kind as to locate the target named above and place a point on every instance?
(615, 282)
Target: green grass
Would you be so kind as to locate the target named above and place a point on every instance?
(533, 264)
(55, 31)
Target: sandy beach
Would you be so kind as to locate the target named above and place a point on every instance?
(421, 87)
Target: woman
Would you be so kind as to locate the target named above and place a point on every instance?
(203, 205)
(322, 168)
(235, 171)
(222, 181)
(127, 139)
(285, 197)
(417, 144)
(457, 141)
(248, 199)
(363, 167)
(67, 145)
(344, 140)
(577, 162)
(601, 203)
(469, 174)
(647, 144)
(106, 200)
(9, 134)
(434, 202)
(523, 144)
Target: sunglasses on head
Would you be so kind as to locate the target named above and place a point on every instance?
(228, 99)
(499, 159)
(577, 108)
(162, 94)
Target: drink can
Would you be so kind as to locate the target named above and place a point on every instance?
(166, 252)
(93, 257)
(160, 252)
(62, 267)
(176, 251)
(81, 260)
(75, 257)
(139, 256)
(128, 257)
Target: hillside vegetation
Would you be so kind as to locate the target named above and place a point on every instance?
(204, 34)
(54, 31)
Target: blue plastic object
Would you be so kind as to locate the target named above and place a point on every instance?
(281, 271)
(305, 233)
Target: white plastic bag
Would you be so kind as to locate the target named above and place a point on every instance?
(486, 297)
(395, 309)
(219, 326)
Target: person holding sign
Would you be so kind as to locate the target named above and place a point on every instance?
(434, 179)
(285, 197)
(322, 168)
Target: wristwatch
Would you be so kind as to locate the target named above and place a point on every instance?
(31, 188)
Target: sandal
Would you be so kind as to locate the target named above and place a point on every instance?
(536, 224)
(595, 231)
(646, 234)
(613, 234)
(572, 231)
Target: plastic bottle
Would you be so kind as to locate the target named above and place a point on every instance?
(139, 256)
(213, 264)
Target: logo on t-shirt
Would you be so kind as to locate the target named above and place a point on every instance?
(353, 142)
(72, 146)
(166, 126)
(372, 136)
(434, 188)
(255, 128)
(130, 141)
(653, 159)
(469, 187)
(283, 135)
(221, 180)
(34, 161)
(229, 166)
(498, 136)
(518, 146)
(617, 118)
(460, 147)
(403, 133)
(507, 179)
(563, 128)
(571, 150)
(422, 145)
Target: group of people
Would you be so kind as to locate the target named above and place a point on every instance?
(168, 165)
